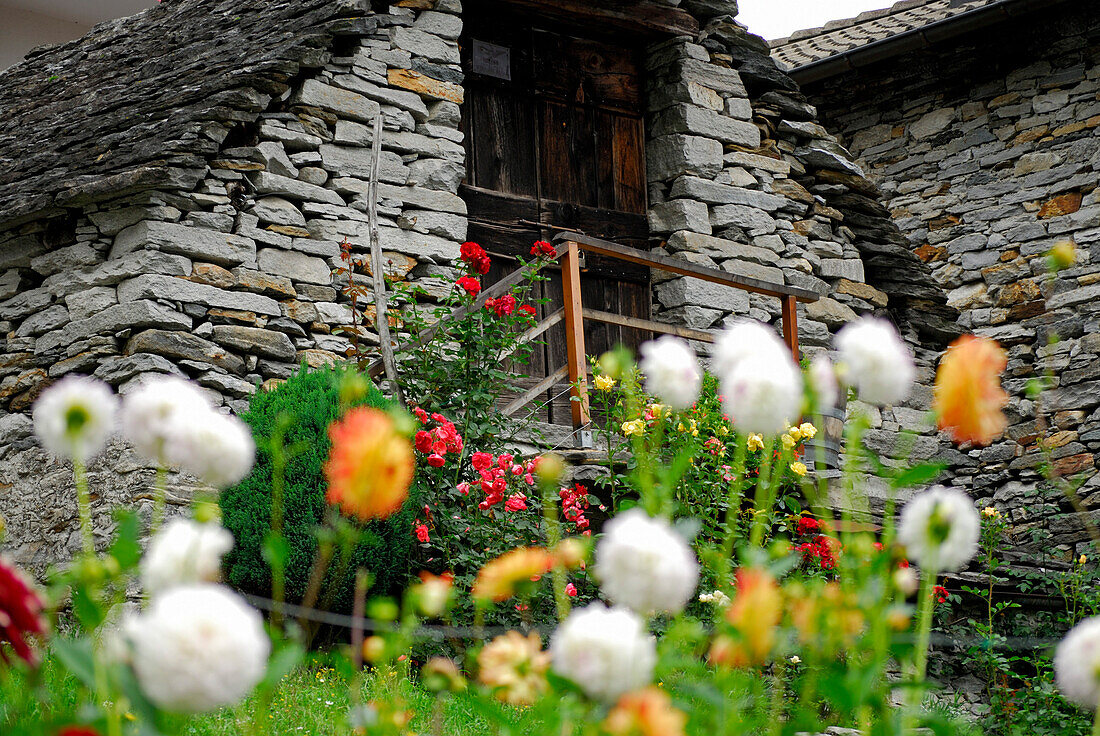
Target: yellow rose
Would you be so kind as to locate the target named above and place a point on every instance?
(795, 433)
(605, 383)
(990, 513)
(787, 441)
(808, 430)
(756, 442)
(635, 427)
(798, 468)
(1082, 559)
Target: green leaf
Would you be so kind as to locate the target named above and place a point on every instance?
(126, 550)
(86, 608)
(282, 662)
(78, 658)
(918, 475)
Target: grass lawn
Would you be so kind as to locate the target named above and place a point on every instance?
(306, 702)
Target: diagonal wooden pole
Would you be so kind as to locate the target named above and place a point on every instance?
(380, 318)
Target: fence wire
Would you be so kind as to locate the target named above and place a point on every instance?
(445, 632)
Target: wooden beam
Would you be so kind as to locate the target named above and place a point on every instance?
(641, 17)
(542, 386)
(574, 334)
(790, 325)
(684, 268)
(647, 324)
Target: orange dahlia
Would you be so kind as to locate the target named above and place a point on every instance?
(968, 397)
(498, 579)
(514, 667)
(370, 466)
(647, 712)
(754, 613)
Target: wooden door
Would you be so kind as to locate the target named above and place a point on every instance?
(555, 141)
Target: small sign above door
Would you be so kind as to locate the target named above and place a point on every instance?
(492, 60)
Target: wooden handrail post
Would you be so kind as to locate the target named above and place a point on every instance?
(574, 343)
(790, 324)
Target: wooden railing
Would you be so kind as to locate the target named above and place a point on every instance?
(568, 249)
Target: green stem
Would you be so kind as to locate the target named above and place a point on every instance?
(763, 499)
(733, 507)
(84, 506)
(1096, 722)
(553, 537)
(925, 610)
(160, 497)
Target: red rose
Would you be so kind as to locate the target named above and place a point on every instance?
(470, 285)
(940, 594)
(421, 415)
(422, 533)
(423, 442)
(481, 265)
(481, 460)
(516, 502)
(807, 525)
(436, 461)
(20, 613)
(571, 590)
(542, 248)
(78, 731)
(505, 306)
(470, 251)
(527, 309)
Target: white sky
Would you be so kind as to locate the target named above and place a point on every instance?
(780, 18)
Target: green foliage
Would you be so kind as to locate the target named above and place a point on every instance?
(301, 410)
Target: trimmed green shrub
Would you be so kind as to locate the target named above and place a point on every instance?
(306, 404)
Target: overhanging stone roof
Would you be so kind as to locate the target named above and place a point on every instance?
(840, 36)
(131, 105)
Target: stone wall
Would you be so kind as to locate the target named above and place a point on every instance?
(988, 152)
(225, 275)
(216, 261)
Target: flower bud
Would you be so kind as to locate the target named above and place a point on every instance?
(383, 609)
(549, 470)
(374, 648)
(207, 512)
(1062, 255)
(615, 363)
(441, 675)
(906, 580)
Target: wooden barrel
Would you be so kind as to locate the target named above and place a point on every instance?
(829, 438)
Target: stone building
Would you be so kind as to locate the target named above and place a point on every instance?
(174, 188)
(980, 123)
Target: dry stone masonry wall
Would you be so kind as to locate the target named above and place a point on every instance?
(202, 239)
(988, 153)
(224, 273)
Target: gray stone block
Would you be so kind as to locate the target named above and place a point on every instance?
(130, 316)
(842, 268)
(155, 286)
(679, 214)
(278, 211)
(683, 291)
(693, 187)
(353, 161)
(751, 220)
(295, 266)
(671, 156)
(695, 120)
(179, 345)
(334, 99)
(192, 242)
(73, 258)
(719, 248)
(84, 304)
(255, 341)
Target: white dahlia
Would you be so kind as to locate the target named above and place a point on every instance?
(875, 361)
(940, 529)
(606, 651)
(197, 648)
(744, 339)
(672, 371)
(1077, 664)
(763, 394)
(74, 417)
(213, 446)
(822, 379)
(184, 551)
(643, 564)
(150, 411)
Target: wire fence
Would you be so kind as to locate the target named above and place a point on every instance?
(450, 632)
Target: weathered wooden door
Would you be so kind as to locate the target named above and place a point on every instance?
(555, 141)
